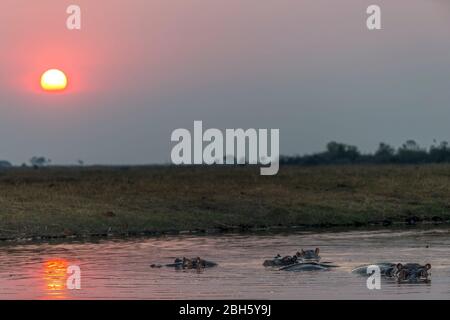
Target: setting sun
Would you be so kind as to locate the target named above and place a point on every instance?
(53, 80)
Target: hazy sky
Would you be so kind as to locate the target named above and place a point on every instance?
(139, 69)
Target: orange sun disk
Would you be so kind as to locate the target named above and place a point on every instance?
(53, 80)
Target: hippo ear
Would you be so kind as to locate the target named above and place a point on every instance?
(399, 266)
(428, 266)
(317, 250)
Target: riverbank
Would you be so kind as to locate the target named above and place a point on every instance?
(100, 201)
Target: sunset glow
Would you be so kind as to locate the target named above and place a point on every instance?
(55, 277)
(53, 80)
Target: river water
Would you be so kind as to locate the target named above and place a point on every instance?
(120, 269)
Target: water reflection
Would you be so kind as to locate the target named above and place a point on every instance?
(55, 277)
(120, 269)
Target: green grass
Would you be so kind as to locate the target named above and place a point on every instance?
(87, 201)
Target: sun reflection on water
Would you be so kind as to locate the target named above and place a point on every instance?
(55, 278)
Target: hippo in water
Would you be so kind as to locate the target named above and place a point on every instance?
(184, 263)
(409, 272)
(300, 257)
(279, 261)
(308, 266)
(309, 255)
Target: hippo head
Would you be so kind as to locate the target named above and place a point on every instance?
(309, 255)
(199, 263)
(412, 272)
(187, 263)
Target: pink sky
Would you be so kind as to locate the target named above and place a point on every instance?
(140, 68)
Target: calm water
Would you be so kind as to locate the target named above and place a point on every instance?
(120, 269)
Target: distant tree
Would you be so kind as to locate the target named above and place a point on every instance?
(5, 164)
(340, 152)
(410, 152)
(411, 145)
(384, 154)
(440, 153)
(80, 163)
(38, 162)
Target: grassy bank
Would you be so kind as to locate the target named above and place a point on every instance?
(135, 200)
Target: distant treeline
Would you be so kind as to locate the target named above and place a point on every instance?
(339, 153)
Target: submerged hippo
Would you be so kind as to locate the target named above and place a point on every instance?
(308, 266)
(300, 257)
(385, 268)
(195, 263)
(409, 272)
